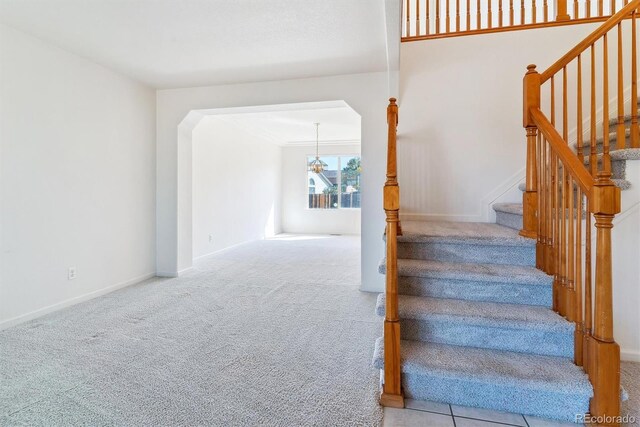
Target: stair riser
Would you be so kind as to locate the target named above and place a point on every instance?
(483, 254)
(462, 334)
(508, 398)
(613, 145)
(613, 123)
(509, 220)
(511, 293)
(618, 168)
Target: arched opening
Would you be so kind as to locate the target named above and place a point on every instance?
(240, 158)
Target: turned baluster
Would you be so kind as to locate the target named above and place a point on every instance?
(511, 13)
(418, 17)
(540, 167)
(579, 317)
(408, 23)
(620, 137)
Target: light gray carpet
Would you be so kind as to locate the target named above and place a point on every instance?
(630, 379)
(270, 333)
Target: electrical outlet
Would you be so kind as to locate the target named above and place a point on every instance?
(72, 273)
(210, 238)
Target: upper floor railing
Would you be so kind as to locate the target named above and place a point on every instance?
(427, 19)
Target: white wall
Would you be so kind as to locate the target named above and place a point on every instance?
(296, 217)
(77, 178)
(236, 186)
(626, 268)
(461, 141)
(365, 93)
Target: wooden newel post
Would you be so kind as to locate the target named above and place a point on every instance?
(392, 387)
(604, 351)
(531, 98)
(561, 11)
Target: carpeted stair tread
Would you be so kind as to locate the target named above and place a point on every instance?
(485, 314)
(502, 273)
(622, 184)
(510, 208)
(527, 371)
(463, 233)
(626, 119)
(613, 138)
(622, 154)
(509, 215)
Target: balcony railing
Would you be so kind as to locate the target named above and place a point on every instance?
(426, 19)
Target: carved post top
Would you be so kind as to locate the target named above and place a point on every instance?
(392, 109)
(530, 94)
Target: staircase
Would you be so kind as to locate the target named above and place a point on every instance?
(516, 316)
(477, 325)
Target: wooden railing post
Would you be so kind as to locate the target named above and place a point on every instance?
(392, 387)
(531, 97)
(604, 352)
(561, 11)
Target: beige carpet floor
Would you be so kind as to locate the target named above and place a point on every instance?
(630, 378)
(270, 333)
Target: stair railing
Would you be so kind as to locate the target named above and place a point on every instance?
(563, 196)
(392, 386)
(430, 19)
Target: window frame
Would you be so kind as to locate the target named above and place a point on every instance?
(339, 181)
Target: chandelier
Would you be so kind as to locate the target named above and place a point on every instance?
(316, 165)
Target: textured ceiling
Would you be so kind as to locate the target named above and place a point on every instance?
(185, 43)
(340, 125)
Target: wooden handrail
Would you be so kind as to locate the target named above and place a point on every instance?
(611, 23)
(564, 153)
(392, 387)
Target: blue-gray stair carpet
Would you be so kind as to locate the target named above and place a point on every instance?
(476, 322)
(254, 336)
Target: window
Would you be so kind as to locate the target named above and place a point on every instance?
(337, 186)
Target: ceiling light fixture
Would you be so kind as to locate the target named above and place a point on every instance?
(316, 165)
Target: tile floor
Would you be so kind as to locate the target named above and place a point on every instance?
(433, 414)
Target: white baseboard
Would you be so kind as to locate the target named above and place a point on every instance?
(184, 270)
(219, 251)
(630, 355)
(440, 217)
(72, 301)
(486, 213)
(166, 274)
